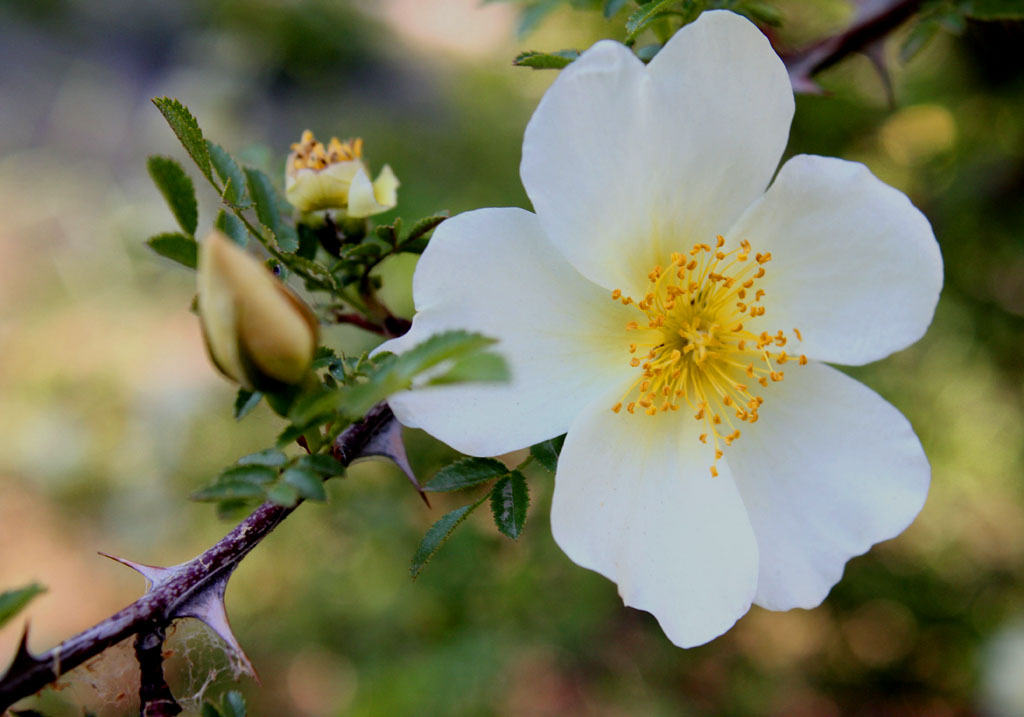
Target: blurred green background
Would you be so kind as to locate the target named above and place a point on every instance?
(110, 415)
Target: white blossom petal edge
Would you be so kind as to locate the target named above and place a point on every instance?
(669, 311)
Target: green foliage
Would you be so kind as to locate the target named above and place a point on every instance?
(510, 500)
(176, 247)
(307, 483)
(545, 60)
(14, 601)
(231, 177)
(466, 473)
(267, 202)
(323, 465)
(232, 704)
(612, 7)
(438, 535)
(994, 9)
(547, 452)
(283, 494)
(187, 130)
(270, 457)
(647, 13)
(245, 401)
(178, 190)
(232, 227)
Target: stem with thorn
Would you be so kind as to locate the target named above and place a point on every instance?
(192, 589)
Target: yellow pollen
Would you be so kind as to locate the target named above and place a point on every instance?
(311, 154)
(694, 347)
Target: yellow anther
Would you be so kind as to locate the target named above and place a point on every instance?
(803, 360)
(617, 407)
(616, 294)
(718, 453)
(719, 241)
(714, 472)
(799, 336)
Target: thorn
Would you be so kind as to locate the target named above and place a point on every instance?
(387, 443)
(23, 659)
(208, 607)
(154, 575)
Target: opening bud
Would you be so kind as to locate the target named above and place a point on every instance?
(257, 331)
(335, 177)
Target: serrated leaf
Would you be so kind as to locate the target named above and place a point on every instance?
(176, 247)
(232, 227)
(545, 60)
(187, 130)
(324, 465)
(547, 452)
(995, 9)
(228, 490)
(230, 175)
(283, 494)
(178, 191)
(306, 483)
(466, 473)
(478, 367)
(271, 457)
(510, 500)
(438, 535)
(289, 435)
(611, 7)
(245, 401)
(424, 226)
(250, 473)
(268, 202)
(645, 15)
(14, 601)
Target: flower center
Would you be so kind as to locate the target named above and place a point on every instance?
(692, 346)
(311, 154)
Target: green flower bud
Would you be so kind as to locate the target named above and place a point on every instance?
(257, 331)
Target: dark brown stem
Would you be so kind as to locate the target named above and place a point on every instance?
(359, 320)
(158, 607)
(155, 695)
(869, 26)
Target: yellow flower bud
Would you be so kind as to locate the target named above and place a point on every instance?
(335, 177)
(257, 331)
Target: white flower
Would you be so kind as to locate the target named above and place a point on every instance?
(606, 296)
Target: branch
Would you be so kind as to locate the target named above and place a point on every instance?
(873, 23)
(192, 589)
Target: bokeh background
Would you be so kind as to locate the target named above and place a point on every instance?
(110, 415)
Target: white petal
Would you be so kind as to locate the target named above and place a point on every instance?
(493, 271)
(829, 470)
(625, 164)
(855, 266)
(635, 501)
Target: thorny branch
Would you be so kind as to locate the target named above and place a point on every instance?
(192, 589)
(874, 21)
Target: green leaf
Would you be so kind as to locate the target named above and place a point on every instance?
(233, 704)
(228, 490)
(210, 710)
(510, 500)
(283, 494)
(254, 473)
(547, 452)
(176, 247)
(645, 15)
(245, 401)
(762, 12)
(233, 227)
(921, 34)
(648, 52)
(545, 60)
(611, 7)
(438, 535)
(466, 473)
(478, 367)
(230, 175)
(534, 14)
(178, 190)
(271, 457)
(995, 9)
(268, 203)
(14, 601)
(424, 226)
(325, 466)
(187, 130)
(306, 483)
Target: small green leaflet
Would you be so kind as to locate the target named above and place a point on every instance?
(547, 452)
(424, 226)
(307, 484)
(510, 500)
(545, 60)
(271, 457)
(466, 473)
(231, 705)
(267, 202)
(438, 534)
(228, 490)
(245, 401)
(233, 227)
(645, 15)
(230, 174)
(324, 465)
(176, 247)
(178, 190)
(187, 130)
(14, 601)
(283, 494)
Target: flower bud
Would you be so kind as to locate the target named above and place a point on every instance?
(257, 331)
(335, 177)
